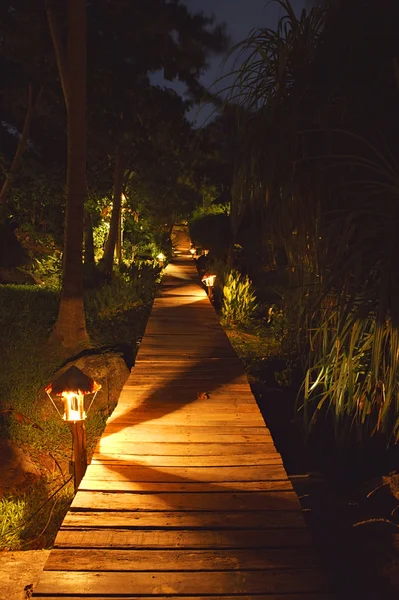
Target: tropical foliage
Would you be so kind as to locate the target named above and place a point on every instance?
(239, 300)
(316, 167)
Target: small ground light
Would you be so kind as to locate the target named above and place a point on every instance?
(161, 257)
(73, 386)
(192, 252)
(209, 281)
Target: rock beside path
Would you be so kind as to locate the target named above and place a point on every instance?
(16, 468)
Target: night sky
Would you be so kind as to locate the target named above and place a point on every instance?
(240, 16)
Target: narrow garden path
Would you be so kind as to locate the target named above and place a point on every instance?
(186, 495)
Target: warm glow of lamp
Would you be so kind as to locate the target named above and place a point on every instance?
(72, 386)
(161, 257)
(74, 407)
(192, 251)
(209, 280)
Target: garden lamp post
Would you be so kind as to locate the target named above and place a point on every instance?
(161, 258)
(73, 386)
(192, 252)
(209, 282)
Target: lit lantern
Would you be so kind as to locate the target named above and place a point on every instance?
(192, 252)
(73, 385)
(161, 257)
(209, 281)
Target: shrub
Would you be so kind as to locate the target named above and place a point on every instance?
(48, 269)
(113, 299)
(239, 301)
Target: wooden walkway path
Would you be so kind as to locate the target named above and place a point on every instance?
(186, 496)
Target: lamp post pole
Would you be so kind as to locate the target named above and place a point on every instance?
(209, 282)
(72, 385)
(79, 460)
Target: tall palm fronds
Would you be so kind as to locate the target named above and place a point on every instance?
(269, 86)
(271, 61)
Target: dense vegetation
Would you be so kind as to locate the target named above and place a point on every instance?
(311, 152)
(97, 164)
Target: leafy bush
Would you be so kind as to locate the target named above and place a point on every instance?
(113, 299)
(239, 301)
(130, 290)
(48, 269)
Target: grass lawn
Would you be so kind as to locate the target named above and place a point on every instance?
(32, 510)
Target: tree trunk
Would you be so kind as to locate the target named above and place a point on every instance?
(108, 258)
(119, 240)
(89, 241)
(70, 327)
(20, 148)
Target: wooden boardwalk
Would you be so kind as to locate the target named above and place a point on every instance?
(186, 496)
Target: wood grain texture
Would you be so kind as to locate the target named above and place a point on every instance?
(172, 583)
(181, 560)
(306, 596)
(186, 496)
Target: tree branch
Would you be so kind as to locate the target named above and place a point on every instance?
(20, 148)
(60, 51)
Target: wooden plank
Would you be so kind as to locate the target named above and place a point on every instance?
(186, 336)
(204, 540)
(125, 434)
(231, 418)
(179, 487)
(184, 520)
(186, 430)
(125, 421)
(216, 500)
(193, 391)
(187, 381)
(177, 350)
(182, 418)
(186, 461)
(128, 433)
(170, 399)
(180, 448)
(180, 560)
(115, 472)
(155, 405)
(155, 583)
(306, 596)
(139, 403)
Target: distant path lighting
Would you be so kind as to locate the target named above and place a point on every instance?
(161, 258)
(209, 281)
(192, 252)
(72, 386)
